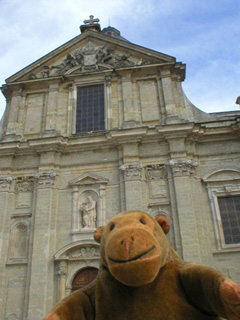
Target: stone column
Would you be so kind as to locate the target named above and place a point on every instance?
(181, 172)
(62, 273)
(108, 110)
(71, 115)
(132, 176)
(42, 268)
(102, 203)
(76, 224)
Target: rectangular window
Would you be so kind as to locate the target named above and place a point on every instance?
(90, 108)
(229, 208)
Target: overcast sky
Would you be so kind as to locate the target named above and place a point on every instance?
(204, 34)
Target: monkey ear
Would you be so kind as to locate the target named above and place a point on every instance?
(98, 234)
(164, 223)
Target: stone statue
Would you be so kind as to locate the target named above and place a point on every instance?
(89, 214)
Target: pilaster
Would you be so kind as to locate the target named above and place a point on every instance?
(128, 106)
(5, 184)
(41, 286)
(170, 106)
(52, 104)
(14, 111)
(182, 170)
(131, 176)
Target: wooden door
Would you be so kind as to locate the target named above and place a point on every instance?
(84, 277)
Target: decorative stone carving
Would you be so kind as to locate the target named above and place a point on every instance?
(92, 57)
(156, 176)
(88, 210)
(32, 76)
(67, 64)
(182, 167)
(62, 272)
(132, 171)
(89, 204)
(45, 72)
(156, 172)
(45, 179)
(5, 183)
(24, 184)
(85, 253)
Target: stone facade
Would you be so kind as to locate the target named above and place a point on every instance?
(158, 153)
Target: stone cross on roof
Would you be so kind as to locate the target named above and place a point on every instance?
(91, 21)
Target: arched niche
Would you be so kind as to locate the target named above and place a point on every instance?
(87, 189)
(18, 242)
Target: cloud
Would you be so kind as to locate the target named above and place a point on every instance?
(204, 35)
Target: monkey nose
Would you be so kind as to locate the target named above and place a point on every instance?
(127, 243)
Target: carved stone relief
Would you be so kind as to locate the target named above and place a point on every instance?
(156, 176)
(85, 253)
(88, 204)
(45, 179)
(132, 171)
(91, 58)
(182, 167)
(5, 183)
(24, 188)
(24, 184)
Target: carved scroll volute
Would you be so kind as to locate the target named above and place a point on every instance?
(132, 171)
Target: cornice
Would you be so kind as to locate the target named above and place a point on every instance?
(111, 138)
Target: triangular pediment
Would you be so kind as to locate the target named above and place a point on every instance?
(88, 179)
(90, 52)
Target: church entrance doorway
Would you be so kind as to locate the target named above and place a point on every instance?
(84, 277)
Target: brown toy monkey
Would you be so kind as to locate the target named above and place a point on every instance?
(142, 278)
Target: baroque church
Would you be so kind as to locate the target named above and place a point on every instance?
(98, 126)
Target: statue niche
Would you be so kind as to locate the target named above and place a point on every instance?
(87, 206)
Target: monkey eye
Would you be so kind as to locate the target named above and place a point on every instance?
(142, 221)
(112, 226)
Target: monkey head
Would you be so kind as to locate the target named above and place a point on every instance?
(134, 247)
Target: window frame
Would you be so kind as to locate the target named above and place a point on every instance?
(218, 194)
(222, 183)
(72, 120)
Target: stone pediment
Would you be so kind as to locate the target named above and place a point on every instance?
(222, 175)
(88, 179)
(90, 52)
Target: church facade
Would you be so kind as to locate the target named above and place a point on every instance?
(99, 126)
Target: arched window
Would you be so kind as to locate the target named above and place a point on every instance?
(84, 277)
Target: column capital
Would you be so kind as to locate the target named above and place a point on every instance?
(183, 167)
(45, 179)
(5, 183)
(132, 171)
